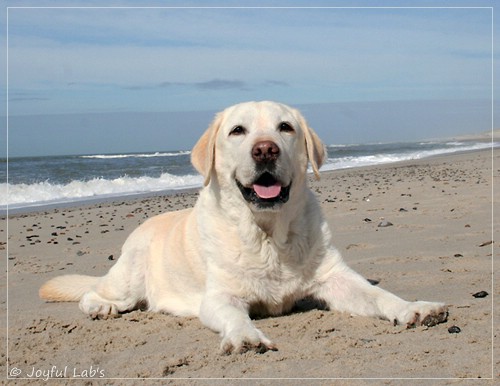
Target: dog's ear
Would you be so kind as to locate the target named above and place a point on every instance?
(203, 153)
(316, 150)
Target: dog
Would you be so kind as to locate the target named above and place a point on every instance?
(255, 242)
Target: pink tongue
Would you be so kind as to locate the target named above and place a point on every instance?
(265, 192)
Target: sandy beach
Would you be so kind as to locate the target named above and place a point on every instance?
(439, 248)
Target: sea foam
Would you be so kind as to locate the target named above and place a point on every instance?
(378, 159)
(145, 155)
(22, 195)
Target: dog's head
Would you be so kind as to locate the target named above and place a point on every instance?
(261, 149)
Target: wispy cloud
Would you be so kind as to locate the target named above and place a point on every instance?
(222, 84)
(277, 83)
(212, 85)
(26, 99)
(171, 84)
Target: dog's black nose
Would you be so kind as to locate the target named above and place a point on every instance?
(265, 151)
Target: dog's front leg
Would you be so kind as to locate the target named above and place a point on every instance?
(345, 290)
(228, 315)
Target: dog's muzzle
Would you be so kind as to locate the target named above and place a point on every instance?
(266, 192)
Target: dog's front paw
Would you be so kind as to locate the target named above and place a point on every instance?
(423, 314)
(246, 339)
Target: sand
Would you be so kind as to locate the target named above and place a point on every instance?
(438, 248)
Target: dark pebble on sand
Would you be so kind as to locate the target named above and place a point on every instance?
(111, 257)
(480, 294)
(454, 330)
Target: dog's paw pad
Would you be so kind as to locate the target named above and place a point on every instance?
(426, 314)
(255, 341)
(435, 318)
(260, 348)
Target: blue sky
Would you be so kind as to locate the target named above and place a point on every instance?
(86, 80)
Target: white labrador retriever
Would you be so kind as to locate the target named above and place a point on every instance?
(255, 242)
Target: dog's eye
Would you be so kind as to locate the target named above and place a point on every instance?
(238, 130)
(285, 127)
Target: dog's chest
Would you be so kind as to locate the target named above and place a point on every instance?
(274, 278)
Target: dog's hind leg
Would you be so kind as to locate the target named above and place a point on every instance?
(120, 290)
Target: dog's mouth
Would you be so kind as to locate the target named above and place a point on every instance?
(265, 192)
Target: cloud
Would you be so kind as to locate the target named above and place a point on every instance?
(25, 96)
(212, 85)
(171, 84)
(277, 83)
(222, 84)
(24, 99)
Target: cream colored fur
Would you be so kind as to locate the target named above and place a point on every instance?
(226, 259)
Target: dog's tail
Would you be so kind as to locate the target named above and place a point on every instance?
(67, 288)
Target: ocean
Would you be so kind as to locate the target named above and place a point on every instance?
(31, 183)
